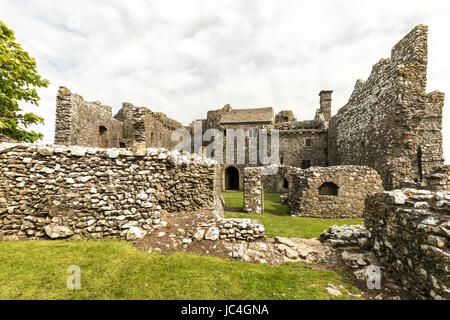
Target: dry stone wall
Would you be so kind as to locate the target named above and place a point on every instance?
(390, 123)
(332, 192)
(410, 230)
(58, 192)
(231, 230)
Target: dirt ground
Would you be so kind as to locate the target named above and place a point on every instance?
(176, 235)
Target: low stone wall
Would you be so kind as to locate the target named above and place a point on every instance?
(332, 192)
(410, 230)
(253, 191)
(241, 229)
(58, 192)
(347, 236)
(231, 230)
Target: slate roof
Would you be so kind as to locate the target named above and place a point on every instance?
(248, 116)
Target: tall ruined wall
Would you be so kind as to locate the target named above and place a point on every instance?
(82, 123)
(297, 146)
(159, 129)
(133, 120)
(51, 190)
(410, 231)
(154, 129)
(91, 124)
(390, 123)
(141, 125)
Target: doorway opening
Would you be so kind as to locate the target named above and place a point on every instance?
(232, 179)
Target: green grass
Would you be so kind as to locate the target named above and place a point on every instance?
(117, 270)
(277, 221)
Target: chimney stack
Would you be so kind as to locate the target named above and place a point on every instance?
(325, 103)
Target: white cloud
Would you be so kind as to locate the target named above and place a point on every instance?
(186, 57)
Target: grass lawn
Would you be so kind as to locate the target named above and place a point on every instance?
(117, 270)
(276, 218)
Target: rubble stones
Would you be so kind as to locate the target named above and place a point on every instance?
(135, 233)
(212, 234)
(347, 236)
(57, 232)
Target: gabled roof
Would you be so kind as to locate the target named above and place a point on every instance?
(248, 115)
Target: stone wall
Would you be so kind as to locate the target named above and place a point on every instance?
(141, 125)
(332, 192)
(82, 123)
(390, 123)
(231, 230)
(438, 179)
(53, 191)
(92, 124)
(299, 147)
(253, 191)
(410, 230)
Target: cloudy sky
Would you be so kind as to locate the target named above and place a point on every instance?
(186, 57)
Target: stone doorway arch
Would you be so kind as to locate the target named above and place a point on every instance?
(232, 179)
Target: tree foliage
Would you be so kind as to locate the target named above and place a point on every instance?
(19, 81)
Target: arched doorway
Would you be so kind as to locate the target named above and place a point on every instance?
(285, 183)
(231, 179)
(103, 137)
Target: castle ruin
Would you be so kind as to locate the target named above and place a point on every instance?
(390, 124)
(112, 176)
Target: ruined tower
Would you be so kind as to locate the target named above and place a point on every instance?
(390, 122)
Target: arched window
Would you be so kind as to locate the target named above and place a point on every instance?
(329, 189)
(285, 183)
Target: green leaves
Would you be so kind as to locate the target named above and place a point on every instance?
(18, 82)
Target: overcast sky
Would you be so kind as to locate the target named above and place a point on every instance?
(186, 57)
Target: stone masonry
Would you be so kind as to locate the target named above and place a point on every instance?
(438, 179)
(54, 191)
(83, 123)
(391, 123)
(333, 192)
(410, 230)
(253, 191)
(91, 124)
